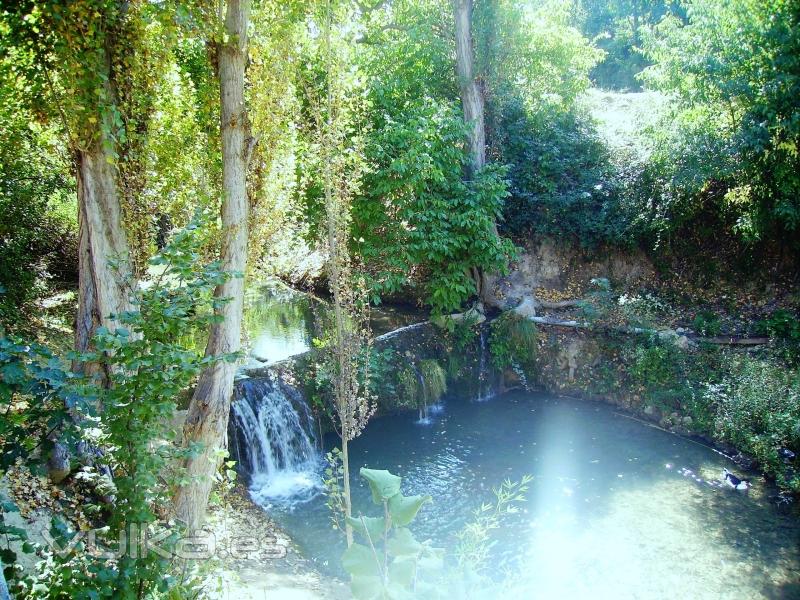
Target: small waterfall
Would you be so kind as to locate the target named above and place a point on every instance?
(424, 419)
(522, 377)
(484, 387)
(272, 440)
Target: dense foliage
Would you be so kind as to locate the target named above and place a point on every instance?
(731, 142)
(38, 225)
(618, 27)
(130, 421)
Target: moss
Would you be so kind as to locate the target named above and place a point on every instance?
(513, 341)
(423, 386)
(434, 380)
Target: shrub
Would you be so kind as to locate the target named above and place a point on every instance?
(757, 407)
(655, 365)
(129, 421)
(784, 327)
(707, 323)
(563, 182)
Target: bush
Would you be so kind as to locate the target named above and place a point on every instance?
(707, 323)
(784, 327)
(757, 407)
(563, 182)
(734, 68)
(129, 421)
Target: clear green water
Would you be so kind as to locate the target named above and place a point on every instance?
(609, 513)
(280, 322)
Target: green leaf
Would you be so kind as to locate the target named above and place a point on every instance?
(403, 543)
(403, 509)
(366, 587)
(360, 560)
(372, 528)
(383, 484)
(402, 570)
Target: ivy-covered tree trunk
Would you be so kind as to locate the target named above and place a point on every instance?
(104, 268)
(207, 420)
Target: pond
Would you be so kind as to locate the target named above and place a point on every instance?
(612, 507)
(616, 508)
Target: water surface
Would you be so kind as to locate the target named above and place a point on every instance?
(611, 512)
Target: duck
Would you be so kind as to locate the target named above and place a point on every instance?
(734, 481)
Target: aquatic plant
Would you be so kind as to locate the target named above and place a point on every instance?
(513, 342)
(434, 380)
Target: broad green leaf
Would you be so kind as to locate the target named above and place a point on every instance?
(395, 591)
(403, 543)
(383, 484)
(360, 560)
(403, 509)
(402, 570)
(372, 527)
(366, 587)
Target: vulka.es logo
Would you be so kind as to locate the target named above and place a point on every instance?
(137, 541)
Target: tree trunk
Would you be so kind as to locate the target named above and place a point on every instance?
(207, 419)
(105, 273)
(473, 106)
(348, 499)
(471, 92)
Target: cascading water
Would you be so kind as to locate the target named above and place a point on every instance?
(484, 389)
(272, 441)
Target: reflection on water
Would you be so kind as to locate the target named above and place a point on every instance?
(609, 515)
(279, 321)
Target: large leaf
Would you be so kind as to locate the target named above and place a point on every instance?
(366, 587)
(403, 509)
(403, 570)
(395, 591)
(402, 543)
(372, 528)
(383, 484)
(359, 560)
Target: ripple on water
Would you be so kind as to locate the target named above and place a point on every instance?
(605, 517)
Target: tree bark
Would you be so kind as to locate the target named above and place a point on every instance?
(104, 256)
(471, 93)
(472, 102)
(207, 419)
